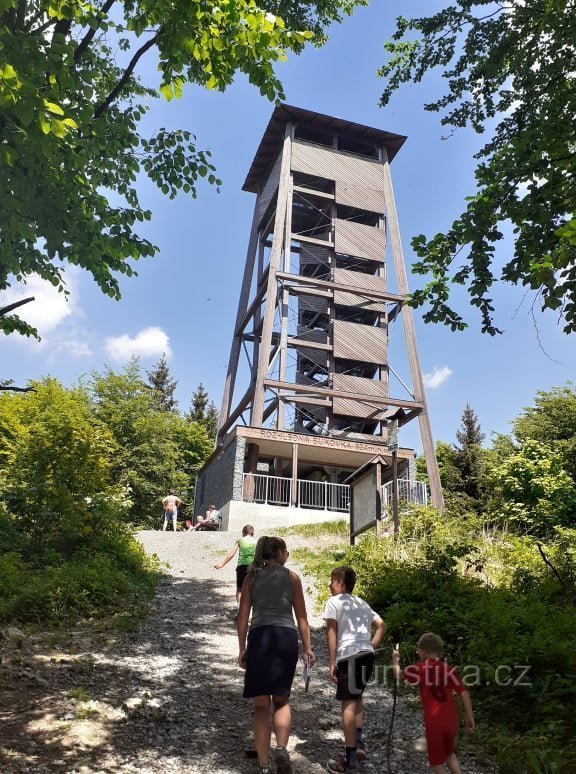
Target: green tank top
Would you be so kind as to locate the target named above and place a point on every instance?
(247, 546)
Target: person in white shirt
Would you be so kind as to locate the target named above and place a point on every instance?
(210, 522)
(350, 622)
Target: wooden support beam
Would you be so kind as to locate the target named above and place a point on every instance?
(311, 192)
(305, 399)
(236, 341)
(317, 283)
(311, 240)
(274, 266)
(410, 334)
(261, 292)
(379, 400)
(294, 342)
(295, 291)
(240, 408)
(271, 408)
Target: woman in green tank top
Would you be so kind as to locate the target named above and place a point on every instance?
(246, 546)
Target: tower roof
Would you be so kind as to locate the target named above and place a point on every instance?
(283, 114)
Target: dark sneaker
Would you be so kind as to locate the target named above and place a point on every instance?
(361, 754)
(338, 765)
(282, 758)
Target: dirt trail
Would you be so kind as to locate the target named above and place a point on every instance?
(168, 698)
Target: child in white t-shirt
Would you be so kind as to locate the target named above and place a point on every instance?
(350, 622)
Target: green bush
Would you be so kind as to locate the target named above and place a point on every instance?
(507, 620)
(89, 586)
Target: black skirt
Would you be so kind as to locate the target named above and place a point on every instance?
(271, 658)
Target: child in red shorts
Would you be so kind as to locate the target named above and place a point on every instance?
(438, 683)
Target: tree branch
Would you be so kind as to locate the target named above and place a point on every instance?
(460, 27)
(21, 14)
(87, 39)
(17, 389)
(548, 564)
(127, 74)
(42, 28)
(4, 310)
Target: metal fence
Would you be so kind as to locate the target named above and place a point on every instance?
(409, 491)
(323, 495)
(275, 490)
(270, 490)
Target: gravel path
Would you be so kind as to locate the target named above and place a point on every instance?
(168, 698)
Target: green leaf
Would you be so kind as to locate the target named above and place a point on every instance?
(52, 107)
(44, 123)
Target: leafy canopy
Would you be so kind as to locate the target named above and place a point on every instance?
(156, 449)
(71, 104)
(512, 65)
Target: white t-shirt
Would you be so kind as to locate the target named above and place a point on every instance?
(354, 619)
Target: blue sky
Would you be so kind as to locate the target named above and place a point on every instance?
(184, 301)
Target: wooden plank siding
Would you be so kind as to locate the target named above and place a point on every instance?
(314, 254)
(269, 190)
(359, 240)
(360, 280)
(310, 334)
(331, 164)
(358, 301)
(360, 342)
(360, 197)
(313, 304)
(366, 388)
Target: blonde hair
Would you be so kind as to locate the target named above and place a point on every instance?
(431, 644)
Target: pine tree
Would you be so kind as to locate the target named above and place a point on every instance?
(469, 454)
(203, 411)
(159, 380)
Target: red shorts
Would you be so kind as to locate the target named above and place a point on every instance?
(440, 739)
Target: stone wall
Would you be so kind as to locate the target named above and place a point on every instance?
(221, 479)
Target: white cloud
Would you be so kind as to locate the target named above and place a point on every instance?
(436, 377)
(150, 342)
(49, 309)
(73, 345)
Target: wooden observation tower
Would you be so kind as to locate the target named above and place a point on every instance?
(311, 335)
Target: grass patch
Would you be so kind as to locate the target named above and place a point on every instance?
(337, 528)
(78, 693)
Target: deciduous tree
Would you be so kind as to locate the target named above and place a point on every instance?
(157, 450)
(71, 103)
(509, 69)
(532, 492)
(552, 421)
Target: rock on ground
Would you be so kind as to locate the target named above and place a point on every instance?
(168, 698)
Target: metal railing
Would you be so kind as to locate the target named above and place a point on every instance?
(409, 491)
(275, 490)
(270, 490)
(323, 495)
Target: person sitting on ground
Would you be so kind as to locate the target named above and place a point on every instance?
(246, 546)
(210, 522)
